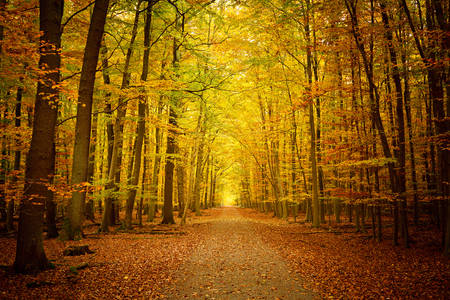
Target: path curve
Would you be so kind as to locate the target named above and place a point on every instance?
(234, 263)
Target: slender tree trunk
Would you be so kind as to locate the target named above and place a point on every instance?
(199, 165)
(137, 163)
(205, 194)
(180, 187)
(400, 123)
(144, 185)
(17, 159)
(168, 180)
(89, 211)
(373, 95)
(83, 124)
(156, 167)
(407, 104)
(313, 158)
(140, 131)
(171, 135)
(110, 212)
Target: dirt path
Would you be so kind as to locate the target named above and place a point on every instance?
(234, 263)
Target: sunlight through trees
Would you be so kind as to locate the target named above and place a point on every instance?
(126, 112)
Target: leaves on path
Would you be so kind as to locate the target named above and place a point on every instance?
(140, 264)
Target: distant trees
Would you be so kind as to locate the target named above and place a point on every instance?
(375, 144)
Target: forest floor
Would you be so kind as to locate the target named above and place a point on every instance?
(233, 262)
(232, 253)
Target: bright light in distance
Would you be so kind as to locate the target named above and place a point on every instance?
(229, 201)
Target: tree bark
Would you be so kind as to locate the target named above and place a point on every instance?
(373, 95)
(400, 124)
(83, 123)
(140, 130)
(17, 159)
(89, 210)
(199, 165)
(168, 180)
(156, 168)
(30, 255)
(110, 212)
(313, 158)
(171, 134)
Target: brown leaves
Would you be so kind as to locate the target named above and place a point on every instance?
(350, 266)
(124, 265)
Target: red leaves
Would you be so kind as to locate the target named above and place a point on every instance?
(351, 266)
(124, 265)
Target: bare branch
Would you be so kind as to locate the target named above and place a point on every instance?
(74, 14)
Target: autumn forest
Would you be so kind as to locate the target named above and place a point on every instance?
(224, 149)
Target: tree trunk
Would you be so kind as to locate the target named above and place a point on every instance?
(17, 159)
(89, 211)
(168, 180)
(180, 188)
(199, 165)
(30, 255)
(312, 129)
(140, 131)
(373, 96)
(137, 163)
(83, 123)
(144, 185)
(400, 124)
(110, 212)
(156, 167)
(171, 135)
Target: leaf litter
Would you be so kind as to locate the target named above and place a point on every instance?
(241, 254)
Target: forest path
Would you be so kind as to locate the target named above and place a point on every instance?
(234, 263)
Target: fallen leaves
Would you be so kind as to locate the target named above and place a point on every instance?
(124, 265)
(142, 264)
(350, 266)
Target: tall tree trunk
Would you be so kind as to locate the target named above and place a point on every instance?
(199, 165)
(313, 158)
(30, 255)
(144, 185)
(400, 154)
(205, 194)
(436, 74)
(89, 211)
(110, 212)
(108, 110)
(180, 188)
(17, 159)
(171, 134)
(168, 180)
(140, 131)
(154, 185)
(373, 94)
(83, 123)
(407, 104)
(137, 163)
